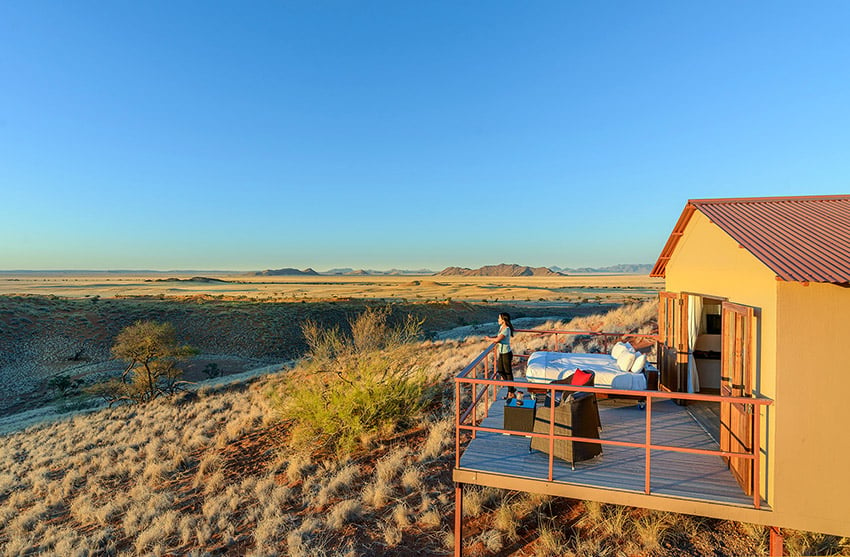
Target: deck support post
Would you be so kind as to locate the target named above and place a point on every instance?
(777, 542)
(458, 520)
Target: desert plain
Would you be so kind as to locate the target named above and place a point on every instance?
(571, 288)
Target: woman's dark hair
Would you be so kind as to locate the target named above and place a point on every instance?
(506, 317)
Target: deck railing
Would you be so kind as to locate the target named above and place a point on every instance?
(479, 381)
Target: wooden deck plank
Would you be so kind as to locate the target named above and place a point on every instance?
(701, 477)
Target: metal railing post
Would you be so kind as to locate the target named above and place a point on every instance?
(756, 449)
(777, 542)
(474, 401)
(457, 424)
(487, 389)
(458, 520)
(551, 433)
(646, 487)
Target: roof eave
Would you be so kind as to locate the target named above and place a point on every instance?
(660, 267)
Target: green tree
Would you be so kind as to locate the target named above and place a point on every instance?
(153, 355)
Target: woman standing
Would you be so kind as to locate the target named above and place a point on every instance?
(505, 355)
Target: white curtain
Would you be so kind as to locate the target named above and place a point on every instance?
(694, 315)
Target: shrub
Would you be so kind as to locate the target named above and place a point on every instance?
(212, 370)
(354, 386)
(60, 384)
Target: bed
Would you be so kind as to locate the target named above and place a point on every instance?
(544, 367)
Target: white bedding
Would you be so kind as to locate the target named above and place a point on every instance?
(544, 367)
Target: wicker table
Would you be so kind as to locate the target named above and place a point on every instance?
(519, 414)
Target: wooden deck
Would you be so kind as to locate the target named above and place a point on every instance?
(702, 478)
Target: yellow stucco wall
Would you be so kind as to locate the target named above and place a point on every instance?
(813, 400)
(801, 331)
(709, 262)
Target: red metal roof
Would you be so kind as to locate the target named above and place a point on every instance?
(803, 239)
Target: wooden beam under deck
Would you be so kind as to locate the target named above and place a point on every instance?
(684, 483)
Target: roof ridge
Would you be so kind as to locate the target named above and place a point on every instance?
(725, 200)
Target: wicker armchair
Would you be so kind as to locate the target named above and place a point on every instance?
(585, 378)
(576, 414)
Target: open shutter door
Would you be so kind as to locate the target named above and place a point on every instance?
(672, 341)
(736, 380)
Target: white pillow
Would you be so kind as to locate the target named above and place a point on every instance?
(616, 349)
(619, 348)
(640, 361)
(626, 360)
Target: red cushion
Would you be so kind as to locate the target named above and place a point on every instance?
(581, 377)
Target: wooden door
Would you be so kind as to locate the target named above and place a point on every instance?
(736, 380)
(672, 341)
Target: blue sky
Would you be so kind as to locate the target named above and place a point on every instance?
(253, 135)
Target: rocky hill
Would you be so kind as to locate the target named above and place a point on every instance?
(202, 280)
(288, 271)
(502, 270)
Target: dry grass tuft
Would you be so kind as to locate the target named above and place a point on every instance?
(651, 530)
(507, 520)
(430, 518)
(401, 516)
(616, 521)
(376, 494)
(411, 479)
(592, 515)
(476, 498)
(344, 512)
(492, 540)
(299, 466)
(389, 467)
(392, 535)
(342, 481)
(813, 543)
(440, 436)
(550, 542)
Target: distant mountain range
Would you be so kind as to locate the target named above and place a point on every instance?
(372, 272)
(512, 270)
(347, 271)
(623, 268)
(503, 270)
